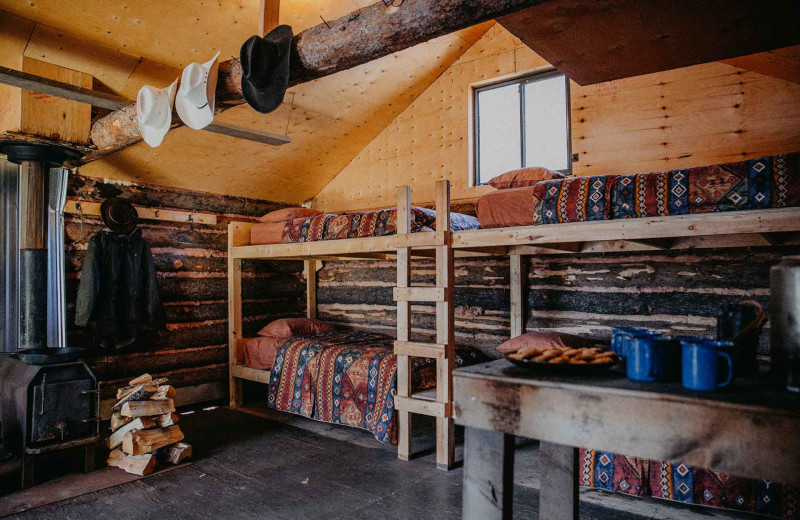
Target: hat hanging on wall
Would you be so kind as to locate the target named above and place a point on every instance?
(119, 215)
(195, 99)
(154, 112)
(265, 68)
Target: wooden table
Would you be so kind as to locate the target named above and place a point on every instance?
(748, 430)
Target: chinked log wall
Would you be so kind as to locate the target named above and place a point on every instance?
(193, 281)
(588, 294)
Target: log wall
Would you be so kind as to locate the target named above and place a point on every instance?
(193, 281)
(679, 292)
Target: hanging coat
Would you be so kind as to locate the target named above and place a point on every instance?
(118, 293)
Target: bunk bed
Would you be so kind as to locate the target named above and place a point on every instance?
(716, 229)
(404, 245)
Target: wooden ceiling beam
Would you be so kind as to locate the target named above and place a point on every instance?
(34, 83)
(268, 16)
(364, 35)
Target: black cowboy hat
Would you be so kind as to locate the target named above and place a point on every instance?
(265, 68)
(119, 215)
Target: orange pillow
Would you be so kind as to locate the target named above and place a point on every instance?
(544, 340)
(523, 177)
(282, 215)
(260, 352)
(265, 233)
(287, 328)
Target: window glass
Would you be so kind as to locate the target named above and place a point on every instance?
(523, 122)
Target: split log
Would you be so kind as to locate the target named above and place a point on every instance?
(140, 423)
(164, 392)
(142, 379)
(118, 420)
(147, 441)
(139, 393)
(126, 390)
(176, 453)
(147, 408)
(168, 419)
(362, 36)
(134, 464)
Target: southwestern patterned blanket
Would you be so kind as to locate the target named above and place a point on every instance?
(347, 378)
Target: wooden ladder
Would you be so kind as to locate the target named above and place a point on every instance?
(443, 350)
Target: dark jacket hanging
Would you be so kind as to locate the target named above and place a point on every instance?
(118, 292)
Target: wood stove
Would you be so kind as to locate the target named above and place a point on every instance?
(48, 403)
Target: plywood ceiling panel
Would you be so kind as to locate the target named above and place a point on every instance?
(173, 32)
(329, 120)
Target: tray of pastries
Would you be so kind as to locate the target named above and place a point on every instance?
(578, 360)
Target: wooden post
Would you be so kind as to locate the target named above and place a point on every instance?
(558, 493)
(445, 334)
(311, 288)
(517, 306)
(403, 321)
(488, 475)
(268, 15)
(234, 313)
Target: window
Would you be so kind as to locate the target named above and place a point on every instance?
(522, 123)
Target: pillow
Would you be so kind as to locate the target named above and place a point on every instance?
(265, 233)
(523, 177)
(260, 352)
(544, 340)
(282, 215)
(287, 328)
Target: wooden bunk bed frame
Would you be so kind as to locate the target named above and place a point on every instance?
(751, 228)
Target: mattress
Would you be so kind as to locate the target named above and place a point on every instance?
(361, 224)
(762, 183)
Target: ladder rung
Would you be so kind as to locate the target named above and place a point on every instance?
(419, 294)
(426, 350)
(422, 406)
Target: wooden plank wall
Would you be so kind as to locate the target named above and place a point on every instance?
(679, 292)
(193, 281)
(706, 114)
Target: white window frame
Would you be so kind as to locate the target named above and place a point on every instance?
(521, 81)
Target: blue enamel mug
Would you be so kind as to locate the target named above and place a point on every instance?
(701, 369)
(653, 358)
(622, 338)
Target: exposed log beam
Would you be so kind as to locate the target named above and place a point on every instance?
(364, 35)
(51, 87)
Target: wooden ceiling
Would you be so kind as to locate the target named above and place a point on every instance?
(127, 44)
(593, 41)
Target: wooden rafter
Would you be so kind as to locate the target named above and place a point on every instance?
(364, 35)
(51, 87)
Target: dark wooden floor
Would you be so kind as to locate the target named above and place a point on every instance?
(249, 467)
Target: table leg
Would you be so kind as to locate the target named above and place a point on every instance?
(488, 475)
(558, 492)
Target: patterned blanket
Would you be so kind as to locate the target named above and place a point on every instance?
(347, 378)
(675, 481)
(363, 224)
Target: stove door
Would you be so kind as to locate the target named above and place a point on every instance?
(61, 411)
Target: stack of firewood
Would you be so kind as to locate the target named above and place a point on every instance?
(144, 429)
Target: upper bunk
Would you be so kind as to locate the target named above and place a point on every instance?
(744, 204)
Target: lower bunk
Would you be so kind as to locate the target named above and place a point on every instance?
(343, 377)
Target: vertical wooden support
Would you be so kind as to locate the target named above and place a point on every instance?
(403, 321)
(269, 15)
(488, 475)
(311, 288)
(234, 312)
(445, 333)
(558, 496)
(517, 306)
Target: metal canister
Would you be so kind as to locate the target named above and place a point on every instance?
(785, 317)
